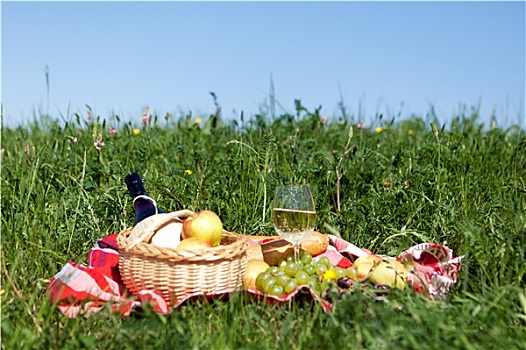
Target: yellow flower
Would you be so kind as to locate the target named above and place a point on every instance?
(198, 121)
(329, 275)
(378, 130)
(387, 183)
(188, 171)
(410, 132)
(136, 131)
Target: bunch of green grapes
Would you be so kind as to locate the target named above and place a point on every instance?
(319, 275)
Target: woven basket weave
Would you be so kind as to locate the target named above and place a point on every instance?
(179, 275)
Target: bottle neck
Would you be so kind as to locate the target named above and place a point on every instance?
(144, 205)
(135, 185)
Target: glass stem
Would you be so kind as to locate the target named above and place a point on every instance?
(296, 252)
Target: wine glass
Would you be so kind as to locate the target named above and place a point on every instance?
(294, 214)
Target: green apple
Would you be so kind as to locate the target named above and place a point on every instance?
(205, 224)
(390, 273)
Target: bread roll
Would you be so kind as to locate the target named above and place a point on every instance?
(254, 252)
(315, 244)
(275, 251)
(279, 249)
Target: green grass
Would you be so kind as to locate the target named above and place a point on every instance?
(459, 184)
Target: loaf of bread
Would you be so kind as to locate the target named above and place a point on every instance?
(315, 244)
(278, 249)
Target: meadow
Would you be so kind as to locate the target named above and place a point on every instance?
(385, 186)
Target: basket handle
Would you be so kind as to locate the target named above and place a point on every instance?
(163, 220)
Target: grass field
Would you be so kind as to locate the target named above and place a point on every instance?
(385, 189)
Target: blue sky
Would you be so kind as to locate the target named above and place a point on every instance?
(377, 57)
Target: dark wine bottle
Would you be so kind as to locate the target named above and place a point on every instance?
(144, 205)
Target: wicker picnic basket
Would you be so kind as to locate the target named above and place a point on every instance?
(179, 275)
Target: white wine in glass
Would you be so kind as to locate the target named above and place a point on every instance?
(294, 214)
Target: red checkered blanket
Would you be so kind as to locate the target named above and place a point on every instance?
(79, 289)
